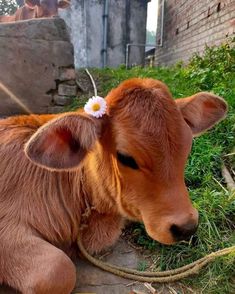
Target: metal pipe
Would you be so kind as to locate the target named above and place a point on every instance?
(86, 62)
(105, 33)
(162, 23)
(135, 45)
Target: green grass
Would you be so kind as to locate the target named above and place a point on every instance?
(214, 72)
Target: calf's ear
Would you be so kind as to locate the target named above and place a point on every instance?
(32, 3)
(64, 142)
(63, 4)
(202, 111)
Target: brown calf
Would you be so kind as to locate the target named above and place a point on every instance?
(129, 164)
(36, 9)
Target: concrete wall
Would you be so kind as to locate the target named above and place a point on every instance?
(189, 25)
(126, 24)
(36, 64)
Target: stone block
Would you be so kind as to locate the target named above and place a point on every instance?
(55, 109)
(67, 90)
(31, 55)
(62, 100)
(47, 29)
(66, 74)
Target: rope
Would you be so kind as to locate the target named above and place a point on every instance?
(17, 101)
(92, 81)
(155, 277)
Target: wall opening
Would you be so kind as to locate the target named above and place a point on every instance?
(177, 31)
(218, 7)
(151, 28)
(188, 24)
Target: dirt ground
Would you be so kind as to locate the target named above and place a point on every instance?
(93, 280)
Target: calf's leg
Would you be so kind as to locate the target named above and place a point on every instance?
(34, 266)
(101, 231)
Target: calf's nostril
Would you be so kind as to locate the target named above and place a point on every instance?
(183, 232)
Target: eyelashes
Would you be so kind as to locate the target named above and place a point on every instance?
(127, 160)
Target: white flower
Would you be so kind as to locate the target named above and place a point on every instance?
(96, 106)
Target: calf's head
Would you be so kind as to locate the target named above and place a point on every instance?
(141, 145)
(47, 8)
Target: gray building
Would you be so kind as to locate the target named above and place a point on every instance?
(101, 29)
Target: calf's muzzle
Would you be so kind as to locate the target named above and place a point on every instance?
(183, 232)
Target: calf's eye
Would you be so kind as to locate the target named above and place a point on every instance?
(127, 160)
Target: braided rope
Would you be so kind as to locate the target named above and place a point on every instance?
(156, 277)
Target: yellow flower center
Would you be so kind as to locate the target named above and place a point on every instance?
(96, 107)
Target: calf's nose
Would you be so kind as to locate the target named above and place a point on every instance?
(183, 232)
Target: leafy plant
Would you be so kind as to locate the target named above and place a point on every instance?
(7, 7)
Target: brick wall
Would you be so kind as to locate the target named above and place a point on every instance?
(191, 24)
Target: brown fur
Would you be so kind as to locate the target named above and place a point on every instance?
(36, 9)
(53, 166)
